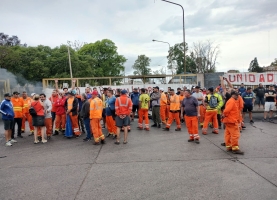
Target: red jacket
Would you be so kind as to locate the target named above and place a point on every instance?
(59, 104)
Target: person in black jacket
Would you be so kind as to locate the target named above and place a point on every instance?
(71, 107)
(84, 113)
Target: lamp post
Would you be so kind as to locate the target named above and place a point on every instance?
(183, 32)
(170, 60)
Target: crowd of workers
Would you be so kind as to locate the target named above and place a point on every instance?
(83, 112)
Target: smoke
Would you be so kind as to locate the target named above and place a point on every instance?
(17, 83)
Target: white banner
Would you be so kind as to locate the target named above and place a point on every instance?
(252, 78)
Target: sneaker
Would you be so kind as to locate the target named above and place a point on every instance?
(165, 129)
(177, 129)
(214, 132)
(223, 144)
(8, 144)
(264, 120)
(56, 133)
(243, 127)
(13, 141)
(270, 120)
(251, 122)
(154, 125)
(197, 141)
(238, 152)
(86, 139)
(20, 136)
(103, 142)
(191, 140)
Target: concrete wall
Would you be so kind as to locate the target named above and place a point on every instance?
(212, 79)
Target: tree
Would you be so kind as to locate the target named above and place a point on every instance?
(141, 66)
(254, 66)
(274, 63)
(5, 40)
(204, 55)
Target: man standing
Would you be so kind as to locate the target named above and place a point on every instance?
(213, 102)
(190, 104)
(242, 89)
(110, 114)
(163, 106)
(144, 104)
(48, 115)
(270, 96)
(230, 117)
(174, 113)
(84, 114)
(135, 100)
(103, 99)
(7, 111)
(71, 107)
(18, 106)
(123, 108)
(155, 98)
(199, 96)
(248, 98)
(260, 93)
(26, 115)
(96, 109)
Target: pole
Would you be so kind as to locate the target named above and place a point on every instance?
(69, 62)
(184, 39)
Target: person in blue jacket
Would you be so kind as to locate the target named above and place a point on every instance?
(6, 109)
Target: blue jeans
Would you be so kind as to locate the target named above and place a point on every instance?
(87, 125)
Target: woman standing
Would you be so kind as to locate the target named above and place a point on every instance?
(38, 119)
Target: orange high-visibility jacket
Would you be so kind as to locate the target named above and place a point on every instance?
(231, 111)
(96, 108)
(27, 104)
(163, 100)
(18, 106)
(174, 102)
(53, 101)
(123, 105)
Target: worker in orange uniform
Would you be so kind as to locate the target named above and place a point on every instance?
(96, 109)
(18, 105)
(191, 107)
(199, 96)
(213, 102)
(26, 115)
(230, 118)
(174, 111)
(60, 113)
(54, 97)
(144, 105)
(123, 108)
(110, 114)
(163, 105)
(71, 107)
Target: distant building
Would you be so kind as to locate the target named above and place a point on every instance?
(233, 71)
(270, 68)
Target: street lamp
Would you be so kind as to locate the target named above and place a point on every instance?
(170, 60)
(183, 31)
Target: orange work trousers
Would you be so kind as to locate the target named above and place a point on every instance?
(111, 125)
(210, 116)
(96, 129)
(163, 113)
(143, 113)
(192, 126)
(173, 116)
(48, 125)
(75, 124)
(27, 117)
(60, 122)
(231, 136)
(167, 112)
(202, 114)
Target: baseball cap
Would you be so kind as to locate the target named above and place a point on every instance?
(7, 95)
(33, 94)
(123, 91)
(235, 87)
(94, 92)
(72, 92)
(16, 92)
(162, 89)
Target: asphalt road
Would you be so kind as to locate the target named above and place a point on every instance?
(153, 165)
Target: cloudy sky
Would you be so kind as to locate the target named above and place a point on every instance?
(244, 29)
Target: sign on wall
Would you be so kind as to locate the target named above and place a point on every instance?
(252, 78)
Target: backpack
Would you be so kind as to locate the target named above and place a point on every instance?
(213, 103)
(32, 112)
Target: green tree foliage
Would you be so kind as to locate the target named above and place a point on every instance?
(32, 64)
(254, 66)
(141, 66)
(274, 63)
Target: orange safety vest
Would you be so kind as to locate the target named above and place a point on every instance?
(27, 104)
(96, 108)
(18, 106)
(163, 101)
(123, 105)
(70, 104)
(174, 102)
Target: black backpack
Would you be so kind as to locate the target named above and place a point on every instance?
(32, 112)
